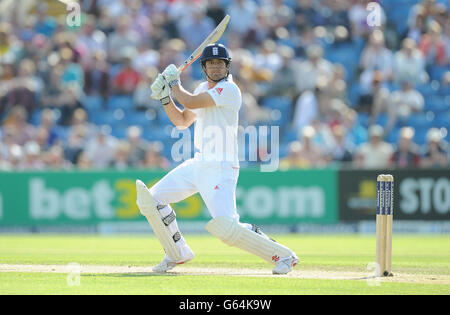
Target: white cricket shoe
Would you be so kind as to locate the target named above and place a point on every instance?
(167, 263)
(285, 265)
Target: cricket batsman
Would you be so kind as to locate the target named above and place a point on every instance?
(213, 171)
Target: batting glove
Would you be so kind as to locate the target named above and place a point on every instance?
(171, 75)
(160, 90)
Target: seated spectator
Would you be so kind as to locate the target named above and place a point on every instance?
(403, 103)
(409, 64)
(311, 155)
(26, 88)
(17, 121)
(74, 145)
(374, 154)
(436, 150)
(154, 158)
(72, 73)
(121, 40)
(84, 162)
(243, 14)
(342, 149)
(376, 101)
(100, 149)
(432, 45)
(358, 17)
(32, 157)
(126, 81)
(120, 160)
(96, 76)
(292, 160)
(314, 67)
(283, 82)
(196, 27)
(141, 95)
(48, 122)
(55, 160)
(138, 146)
(309, 104)
(70, 102)
(375, 57)
(407, 152)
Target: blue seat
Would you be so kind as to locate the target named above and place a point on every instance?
(119, 101)
(278, 102)
(92, 102)
(436, 103)
(436, 72)
(420, 121)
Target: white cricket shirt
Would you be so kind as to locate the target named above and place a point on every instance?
(216, 127)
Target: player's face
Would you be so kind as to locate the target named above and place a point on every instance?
(216, 68)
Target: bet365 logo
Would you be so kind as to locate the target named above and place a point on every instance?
(374, 16)
(73, 18)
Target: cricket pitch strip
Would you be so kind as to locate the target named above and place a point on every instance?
(197, 271)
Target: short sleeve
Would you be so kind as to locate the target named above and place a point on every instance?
(226, 95)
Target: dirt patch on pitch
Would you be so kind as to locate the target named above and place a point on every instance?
(196, 271)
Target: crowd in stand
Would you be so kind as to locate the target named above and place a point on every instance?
(278, 48)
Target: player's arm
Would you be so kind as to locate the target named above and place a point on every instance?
(187, 99)
(191, 101)
(182, 119)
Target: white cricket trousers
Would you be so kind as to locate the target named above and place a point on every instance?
(215, 181)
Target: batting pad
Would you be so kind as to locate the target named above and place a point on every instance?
(149, 208)
(234, 234)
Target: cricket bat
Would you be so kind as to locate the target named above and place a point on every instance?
(211, 39)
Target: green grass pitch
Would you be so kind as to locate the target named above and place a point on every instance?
(329, 264)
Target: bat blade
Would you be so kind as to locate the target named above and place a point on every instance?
(211, 39)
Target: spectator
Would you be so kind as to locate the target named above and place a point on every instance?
(309, 104)
(126, 81)
(314, 67)
(122, 40)
(375, 57)
(55, 160)
(377, 101)
(70, 102)
(358, 16)
(17, 121)
(154, 158)
(96, 76)
(91, 39)
(432, 45)
(407, 152)
(137, 146)
(121, 157)
(32, 159)
(404, 103)
(100, 149)
(417, 27)
(409, 64)
(374, 154)
(311, 156)
(342, 149)
(84, 162)
(436, 150)
(196, 28)
(292, 160)
(48, 122)
(283, 82)
(26, 87)
(75, 145)
(141, 95)
(242, 13)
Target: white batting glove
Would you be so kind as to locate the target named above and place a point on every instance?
(160, 90)
(172, 75)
